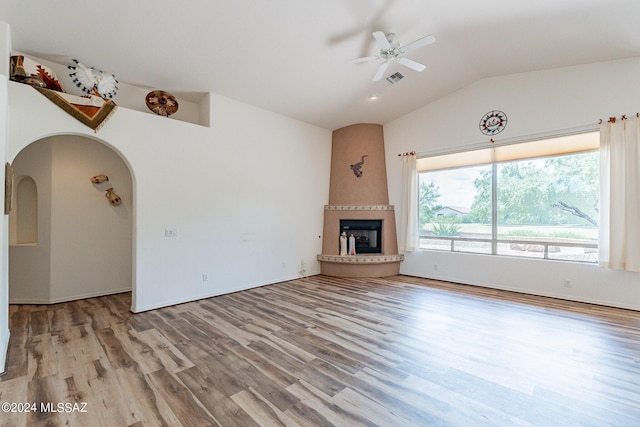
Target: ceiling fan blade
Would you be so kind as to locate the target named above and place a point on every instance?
(364, 59)
(411, 64)
(381, 38)
(417, 43)
(381, 70)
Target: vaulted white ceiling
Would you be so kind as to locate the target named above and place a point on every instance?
(291, 56)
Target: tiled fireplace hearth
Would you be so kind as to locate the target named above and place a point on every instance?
(358, 193)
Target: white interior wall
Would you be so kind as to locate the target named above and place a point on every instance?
(30, 264)
(536, 103)
(5, 48)
(91, 240)
(246, 196)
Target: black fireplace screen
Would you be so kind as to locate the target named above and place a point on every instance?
(368, 234)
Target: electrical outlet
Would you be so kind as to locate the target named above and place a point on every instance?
(170, 232)
(567, 283)
(205, 277)
(435, 267)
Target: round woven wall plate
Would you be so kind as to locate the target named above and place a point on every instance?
(162, 103)
(493, 122)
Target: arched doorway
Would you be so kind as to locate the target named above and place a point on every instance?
(78, 245)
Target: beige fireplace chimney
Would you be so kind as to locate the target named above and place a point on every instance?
(358, 193)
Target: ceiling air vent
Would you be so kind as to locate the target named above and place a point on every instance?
(395, 78)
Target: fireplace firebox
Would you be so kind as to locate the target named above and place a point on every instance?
(367, 232)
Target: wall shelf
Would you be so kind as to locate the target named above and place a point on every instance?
(358, 207)
(360, 259)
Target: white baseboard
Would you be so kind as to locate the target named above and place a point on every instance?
(67, 298)
(218, 292)
(479, 283)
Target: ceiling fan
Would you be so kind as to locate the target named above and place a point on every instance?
(390, 51)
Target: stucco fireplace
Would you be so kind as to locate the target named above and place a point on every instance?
(359, 199)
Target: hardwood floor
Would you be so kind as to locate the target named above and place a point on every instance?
(322, 351)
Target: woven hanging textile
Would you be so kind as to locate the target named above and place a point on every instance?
(92, 111)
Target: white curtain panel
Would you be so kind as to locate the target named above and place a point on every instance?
(619, 235)
(409, 219)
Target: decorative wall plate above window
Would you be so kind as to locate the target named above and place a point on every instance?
(493, 122)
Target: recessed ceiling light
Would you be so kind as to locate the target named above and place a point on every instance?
(372, 97)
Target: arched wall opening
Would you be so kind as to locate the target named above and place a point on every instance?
(81, 245)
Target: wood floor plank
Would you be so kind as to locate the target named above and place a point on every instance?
(387, 398)
(41, 361)
(326, 408)
(114, 349)
(298, 369)
(68, 355)
(305, 415)
(17, 352)
(14, 390)
(261, 410)
(218, 325)
(266, 365)
(42, 393)
(181, 401)
(60, 319)
(39, 322)
(99, 315)
(326, 351)
(99, 388)
(171, 358)
(143, 401)
(367, 408)
(215, 396)
(141, 352)
(202, 341)
(250, 376)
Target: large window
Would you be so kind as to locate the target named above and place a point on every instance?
(537, 199)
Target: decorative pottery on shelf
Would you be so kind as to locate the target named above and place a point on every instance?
(162, 103)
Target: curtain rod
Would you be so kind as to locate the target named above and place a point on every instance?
(613, 119)
(514, 140)
(589, 127)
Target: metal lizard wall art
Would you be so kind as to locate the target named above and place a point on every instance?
(357, 168)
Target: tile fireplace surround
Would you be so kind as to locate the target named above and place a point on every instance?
(359, 194)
